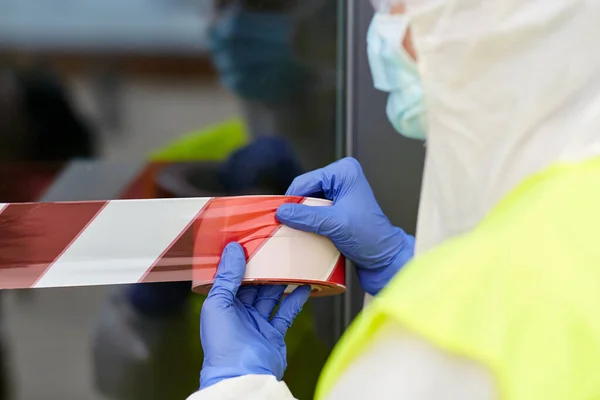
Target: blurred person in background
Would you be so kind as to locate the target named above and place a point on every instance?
(40, 130)
(279, 58)
(39, 122)
(501, 300)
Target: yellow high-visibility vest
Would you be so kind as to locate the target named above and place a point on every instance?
(519, 294)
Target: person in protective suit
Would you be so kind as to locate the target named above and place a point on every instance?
(40, 130)
(145, 346)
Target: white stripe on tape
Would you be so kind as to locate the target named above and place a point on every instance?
(148, 228)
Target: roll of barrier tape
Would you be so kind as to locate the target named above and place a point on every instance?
(161, 240)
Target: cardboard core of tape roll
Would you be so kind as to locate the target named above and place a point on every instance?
(275, 254)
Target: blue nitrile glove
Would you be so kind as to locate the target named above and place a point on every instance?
(355, 223)
(239, 337)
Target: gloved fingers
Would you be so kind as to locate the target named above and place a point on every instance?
(319, 220)
(268, 298)
(247, 294)
(229, 275)
(290, 308)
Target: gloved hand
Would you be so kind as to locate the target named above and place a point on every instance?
(355, 223)
(239, 337)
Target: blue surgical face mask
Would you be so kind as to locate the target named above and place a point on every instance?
(253, 54)
(395, 72)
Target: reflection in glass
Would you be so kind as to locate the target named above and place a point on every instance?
(237, 99)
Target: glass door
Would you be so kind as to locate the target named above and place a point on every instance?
(142, 100)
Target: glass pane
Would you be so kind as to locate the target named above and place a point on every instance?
(146, 99)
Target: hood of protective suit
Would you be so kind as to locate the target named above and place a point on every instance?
(512, 87)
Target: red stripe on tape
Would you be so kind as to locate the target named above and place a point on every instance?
(176, 263)
(237, 219)
(35, 235)
(338, 275)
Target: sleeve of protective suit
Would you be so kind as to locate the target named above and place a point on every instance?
(247, 387)
(398, 365)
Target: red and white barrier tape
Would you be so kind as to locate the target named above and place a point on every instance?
(160, 240)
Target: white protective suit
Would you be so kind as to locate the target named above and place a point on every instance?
(512, 86)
